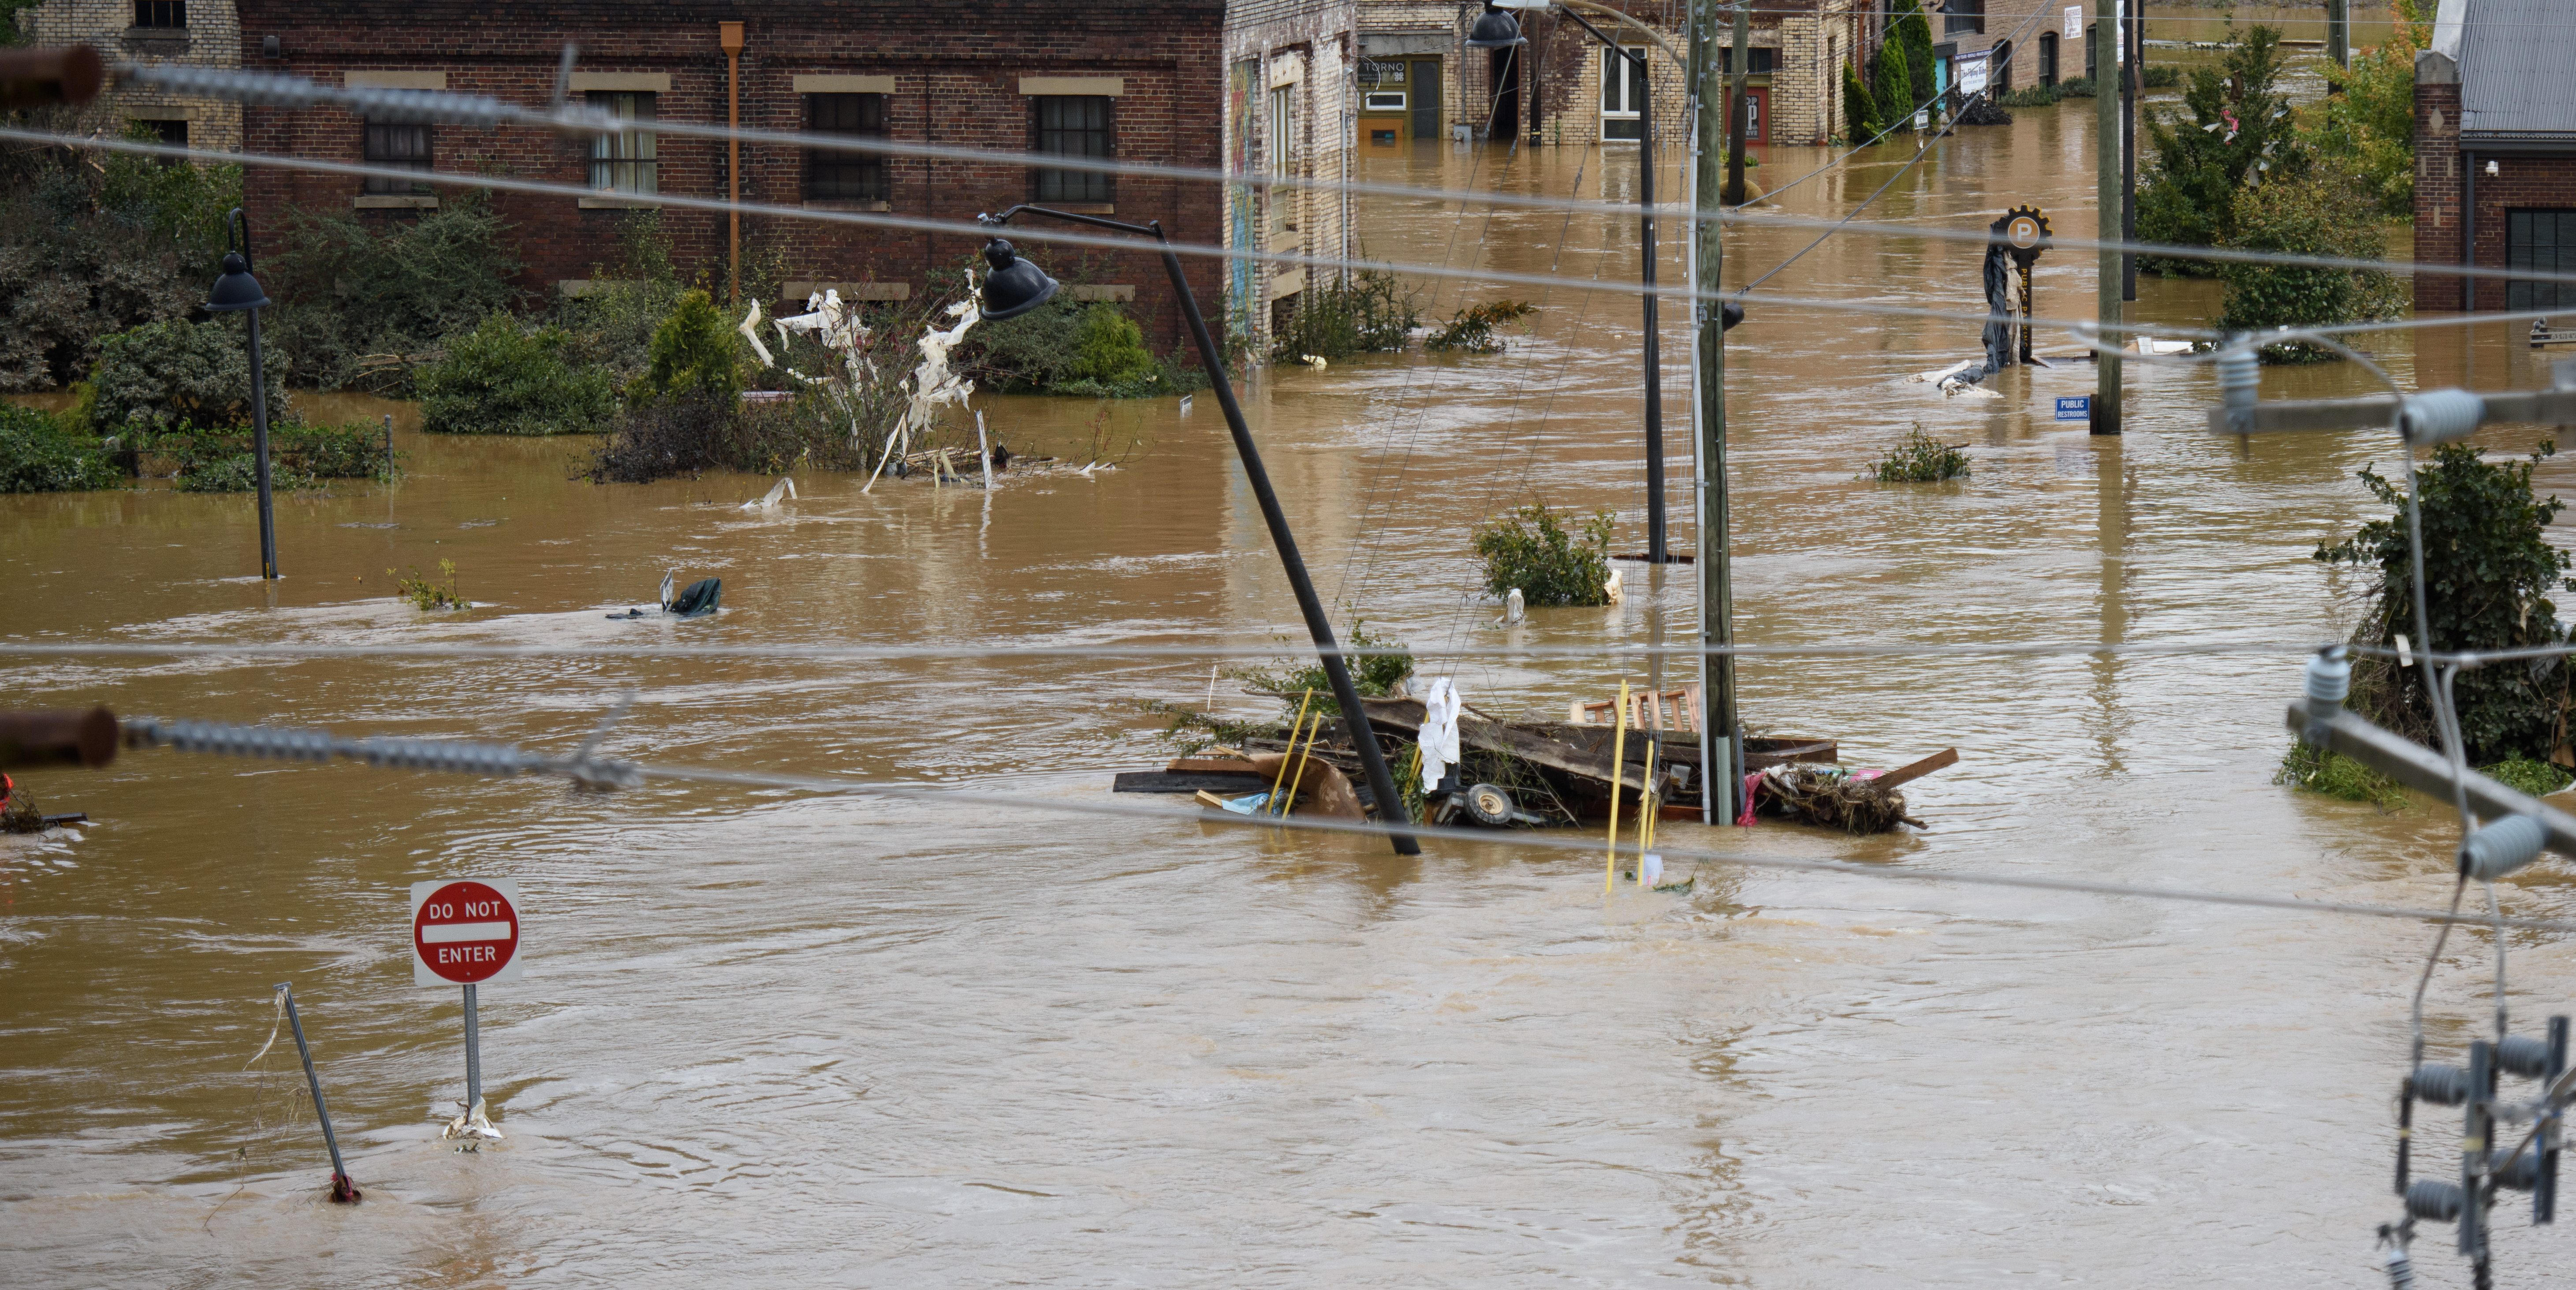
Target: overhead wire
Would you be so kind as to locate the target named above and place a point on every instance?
(843, 653)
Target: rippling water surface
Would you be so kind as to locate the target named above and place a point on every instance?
(784, 1040)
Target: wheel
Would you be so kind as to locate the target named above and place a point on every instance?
(1488, 806)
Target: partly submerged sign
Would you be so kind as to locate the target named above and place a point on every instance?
(2075, 407)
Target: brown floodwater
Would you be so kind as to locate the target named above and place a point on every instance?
(791, 1040)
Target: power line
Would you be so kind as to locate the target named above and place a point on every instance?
(1213, 650)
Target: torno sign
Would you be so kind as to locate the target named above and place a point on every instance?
(464, 932)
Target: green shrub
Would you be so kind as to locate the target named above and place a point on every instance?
(2335, 775)
(2322, 215)
(2161, 76)
(1374, 676)
(1531, 550)
(177, 375)
(2524, 775)
(94, 246)
(502, 378)
(612, 325)
(694, 353)
(1370, 313)
(1472, 328)
(2075, 87)
(1109, 350)
(427, 594)
(1891, 88)
(1860, 114)
(39, 456)
(2490, 571)
(2032, 96)
(2194, 168)
(2365, 126)
(1918, 458)
(299, 456)
(358, 299)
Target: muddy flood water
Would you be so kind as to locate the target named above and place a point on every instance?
(788, 1040)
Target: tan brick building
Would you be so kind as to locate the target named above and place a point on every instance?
(1291, 69)
(202, 32)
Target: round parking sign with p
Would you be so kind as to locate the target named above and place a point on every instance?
(464, 932)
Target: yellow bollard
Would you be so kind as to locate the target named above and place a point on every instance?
(1618, 771)
(1300, 781)
(1653, 806)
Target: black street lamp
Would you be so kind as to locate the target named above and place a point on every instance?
(1498, 30)
(1016, 286)
(238, 292)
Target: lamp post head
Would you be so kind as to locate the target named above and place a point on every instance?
(1729, 313)
(236, 290)
(1495, 29)
(1014, 286)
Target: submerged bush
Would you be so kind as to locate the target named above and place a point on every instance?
(2335, 775)
(2490, 571)
(2324, 216)
(1372, 312)
(427, 594)
(1374, 676)
(2523, 775)
(1530, 549)
(694, 353)
(1110, 351)
(299, 456)
(1069, 347)
(502, 378)
(366, 298)
(1472, 328)
(178, 375)
(1918, 458)
(37, 455)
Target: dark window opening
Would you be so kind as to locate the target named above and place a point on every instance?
(1999, 69)
(627, 161)
(161, 13)
(2540, 242)
(845, 176)
(2048, 58)
(1963, 18)
(2091, 51)
(173, 133)
(1758, 60)
(1075, 125)
(399, 147)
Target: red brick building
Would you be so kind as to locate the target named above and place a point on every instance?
(1134, 81)
(2495, 153)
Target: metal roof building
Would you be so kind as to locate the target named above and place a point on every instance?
(2495, 153)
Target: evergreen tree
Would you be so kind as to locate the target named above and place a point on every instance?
(2240, 132)
(1914, 31)
(1892, 88)
(1860, 116)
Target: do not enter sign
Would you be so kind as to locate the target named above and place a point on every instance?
(464, 932)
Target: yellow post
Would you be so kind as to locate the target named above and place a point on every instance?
(1295, 728)
(1618, 770)
(1300, 781)
(1651, 806)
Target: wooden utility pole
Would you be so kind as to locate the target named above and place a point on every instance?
(2107, 208)
(2339, 32)
(1737, 108)
(1717, 716)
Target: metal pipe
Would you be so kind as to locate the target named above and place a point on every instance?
(729, 35)
(2107, 150)
(2133, 39)
(1657, 552)
(473, 1055)
(259, 447)
(341, 1188)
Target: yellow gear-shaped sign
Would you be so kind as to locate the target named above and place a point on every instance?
(2026, 228)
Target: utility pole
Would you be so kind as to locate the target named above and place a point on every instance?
(2106, 54)
(2133, 71)
(1736, 107)
(1717, 717)
(2339, 32)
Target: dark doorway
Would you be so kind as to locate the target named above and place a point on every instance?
(1427, 91)
(1506, 120)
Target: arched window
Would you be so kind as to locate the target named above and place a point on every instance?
(2048, 58)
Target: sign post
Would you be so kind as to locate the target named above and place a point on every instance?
(465, 933)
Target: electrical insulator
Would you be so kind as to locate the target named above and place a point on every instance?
(2501, 847)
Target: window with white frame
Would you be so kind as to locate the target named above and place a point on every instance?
(1283, 164)
(1624, 98)
(1382, 86)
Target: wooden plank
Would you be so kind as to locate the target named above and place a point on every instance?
(1917, 770)
(1212, 766)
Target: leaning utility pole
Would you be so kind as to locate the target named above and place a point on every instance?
(2106, 54)
(1708, 332)
(2339, 32)
(1736, 109)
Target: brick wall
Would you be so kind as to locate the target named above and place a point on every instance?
(1306, 49)
(2437, 178)
(212, 38)
(951, 84)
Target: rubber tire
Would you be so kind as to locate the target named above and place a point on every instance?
(1488, 806)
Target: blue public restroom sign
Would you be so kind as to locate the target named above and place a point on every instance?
(2075, 407)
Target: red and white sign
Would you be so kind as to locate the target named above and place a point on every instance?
(464, 932)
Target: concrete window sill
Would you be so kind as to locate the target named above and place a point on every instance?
(1082, 208)
(396, 202)
(840, 204)
(618, 204)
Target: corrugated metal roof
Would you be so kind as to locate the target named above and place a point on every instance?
(2516, 57)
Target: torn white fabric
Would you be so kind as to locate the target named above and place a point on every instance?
(1438, 737)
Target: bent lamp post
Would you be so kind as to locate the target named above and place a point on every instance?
(1498, 30)
(1016, 286)
(238, 292)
